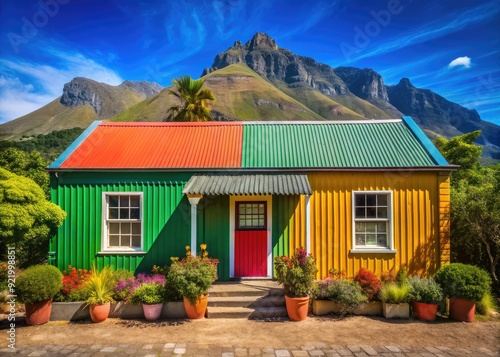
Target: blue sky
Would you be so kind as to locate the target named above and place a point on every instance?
(450, 47)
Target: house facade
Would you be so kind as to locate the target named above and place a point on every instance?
(371, 194)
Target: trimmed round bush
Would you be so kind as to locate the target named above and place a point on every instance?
(425, 290)
(38, 283)
(463, 281)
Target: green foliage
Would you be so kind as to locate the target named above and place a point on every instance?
(31, 165)
(50, 146)
(194, 99)
(392, 293)
(100, 286)
(344, 292)
(148, 294)
(370, 284)
(463, 281)
(28, 219)
(402, 276)
(425, 290)
(487, 305)
(121, 274)
(296, 273)
(192, 276)
(38, 283)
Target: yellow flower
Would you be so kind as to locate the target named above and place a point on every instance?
(188, 247)
(203, 246)
(205, 254)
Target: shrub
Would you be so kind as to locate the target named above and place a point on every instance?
(72, 283)
(121, 274)
(387, 277)
(463, 281)
(148, 293)
(346, 293)
(487, 305)
(370, 284)
(38, 283)
(319, 289)
(425, 290)
(125, 287)
(100, 286)
(402, 276)
(393, 293)
(193, 276)
(4, 274)
(296, 273)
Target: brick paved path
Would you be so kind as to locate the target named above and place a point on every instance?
(195, 350)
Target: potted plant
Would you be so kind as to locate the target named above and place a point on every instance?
(296, 274)
(339, 296)
(151, 296)
(465, 285)
(192, 277)
(36, 286)
(99, 288)
(370, 285)
(425, 294)
(395, 300)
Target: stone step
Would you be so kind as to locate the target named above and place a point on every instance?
(247, 288)
(247, 313)
(261, 313)
(246, 301)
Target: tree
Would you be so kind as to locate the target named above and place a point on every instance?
(31, 165)
(194, 99)
(27, 219)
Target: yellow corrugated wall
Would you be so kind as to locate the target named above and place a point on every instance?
(418, 221)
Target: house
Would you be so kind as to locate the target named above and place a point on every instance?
(371, 194)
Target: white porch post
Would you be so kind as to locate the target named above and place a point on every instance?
(308, 225)
(193, 200)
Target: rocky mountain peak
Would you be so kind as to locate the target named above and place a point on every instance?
(145, 88)
(261, 41)
(81, 91)
(405, 83)
(365, 83)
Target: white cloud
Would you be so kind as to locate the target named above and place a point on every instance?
(460, 61)
(26, 86)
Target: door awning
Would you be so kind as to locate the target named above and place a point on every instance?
(214, 185)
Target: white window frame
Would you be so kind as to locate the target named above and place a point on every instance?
(390, 225)
(105, 238)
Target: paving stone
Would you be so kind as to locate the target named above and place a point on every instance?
(316, 353)
(370, 351)
(386, 354)
(96, 347)
(38, 353)
(307, 348)
(147, 347)
(169, 345)
(300, 353)
(267, 355)
(228, 354)
(444, 349)
(179, 350)
(360, 354)
(268, 351)
(380, 349)
(108, 349)
(332, 354)
(282, 353)
(336, 347)
(427, 354)
(7, 350)
(345, 352)
(393, 348)
(354, 348)
(254, 352)
(321, 346)
(240, 352)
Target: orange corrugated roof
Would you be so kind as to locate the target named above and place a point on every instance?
(159, 145)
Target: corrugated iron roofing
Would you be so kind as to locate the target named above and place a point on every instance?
(248, 185)
(335, 145)
(159, 145)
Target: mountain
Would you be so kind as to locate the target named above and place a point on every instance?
(83, 101)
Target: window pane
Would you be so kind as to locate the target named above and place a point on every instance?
(381, 227)
(382, 200)
(255, 210)
(136, 228)
(261, 209)
(113, 201)
(382, 212)
(371, 212)
(242, 222)
(360, 239)
(113, 213)
(371, 239)
(360, 212)
(371, 200)
(255, 223)
(125, 241)
(136, 241)
(135, 213)
(124, 201)
(135, 201)
(360, 227)
(261, 222)
(371, 227)
(125, 228)
(123, 213)
(248, 223)
(114, 241)
(382, 240)
(360, 200)
(114, 228)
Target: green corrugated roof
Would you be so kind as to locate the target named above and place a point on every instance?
(333, 145)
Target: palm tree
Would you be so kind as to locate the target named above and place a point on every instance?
(194, 100)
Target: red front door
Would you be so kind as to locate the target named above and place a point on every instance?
(250, 239)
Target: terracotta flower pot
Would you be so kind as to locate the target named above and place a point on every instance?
(152, 312)
(426, 312)
(38, 313)
(99, 312)
(297, 307)
(462, 310)
(198, 310)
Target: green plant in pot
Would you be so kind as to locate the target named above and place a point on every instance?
(36, 286)
(395, 300)
(100, 289)
(425, 294)
(152, 297)
(465, 285)
(344, 294)
(296, 274)
(192, 277)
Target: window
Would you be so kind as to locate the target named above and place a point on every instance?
(372, 221)
(123, 222)
(251, 215)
